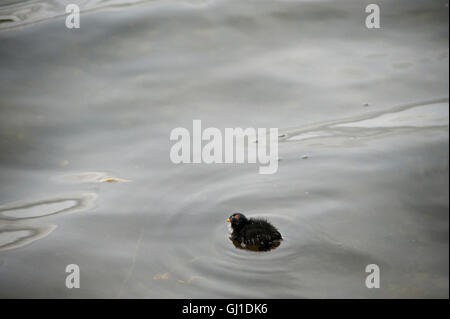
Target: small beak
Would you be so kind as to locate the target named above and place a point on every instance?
(229, 220)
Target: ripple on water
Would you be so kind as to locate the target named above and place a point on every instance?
(25, 12)
(291, 230)
(16, 230)
(221, 269)
(47, 207)
(218, 267)
(418, 115)
(19, 235)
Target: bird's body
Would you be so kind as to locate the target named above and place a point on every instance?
(253, 232)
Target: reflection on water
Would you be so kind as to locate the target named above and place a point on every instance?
(419, 115)
(16, 13)
(16, 232)
(363, 175)
(239, 245)
(15, 235)
(47, 207)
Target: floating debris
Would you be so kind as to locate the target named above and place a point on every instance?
(171, 274)
(162, 276)
(305, 156)
(192, 278)
(90, 177)
(114, 179)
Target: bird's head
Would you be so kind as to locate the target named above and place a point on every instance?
(237, 220)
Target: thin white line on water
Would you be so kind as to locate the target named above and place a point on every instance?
(131, 269)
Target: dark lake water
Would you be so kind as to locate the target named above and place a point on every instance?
(363, 175)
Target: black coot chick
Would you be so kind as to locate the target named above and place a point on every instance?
(254, 233)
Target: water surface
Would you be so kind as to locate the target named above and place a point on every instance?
(86, 178)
